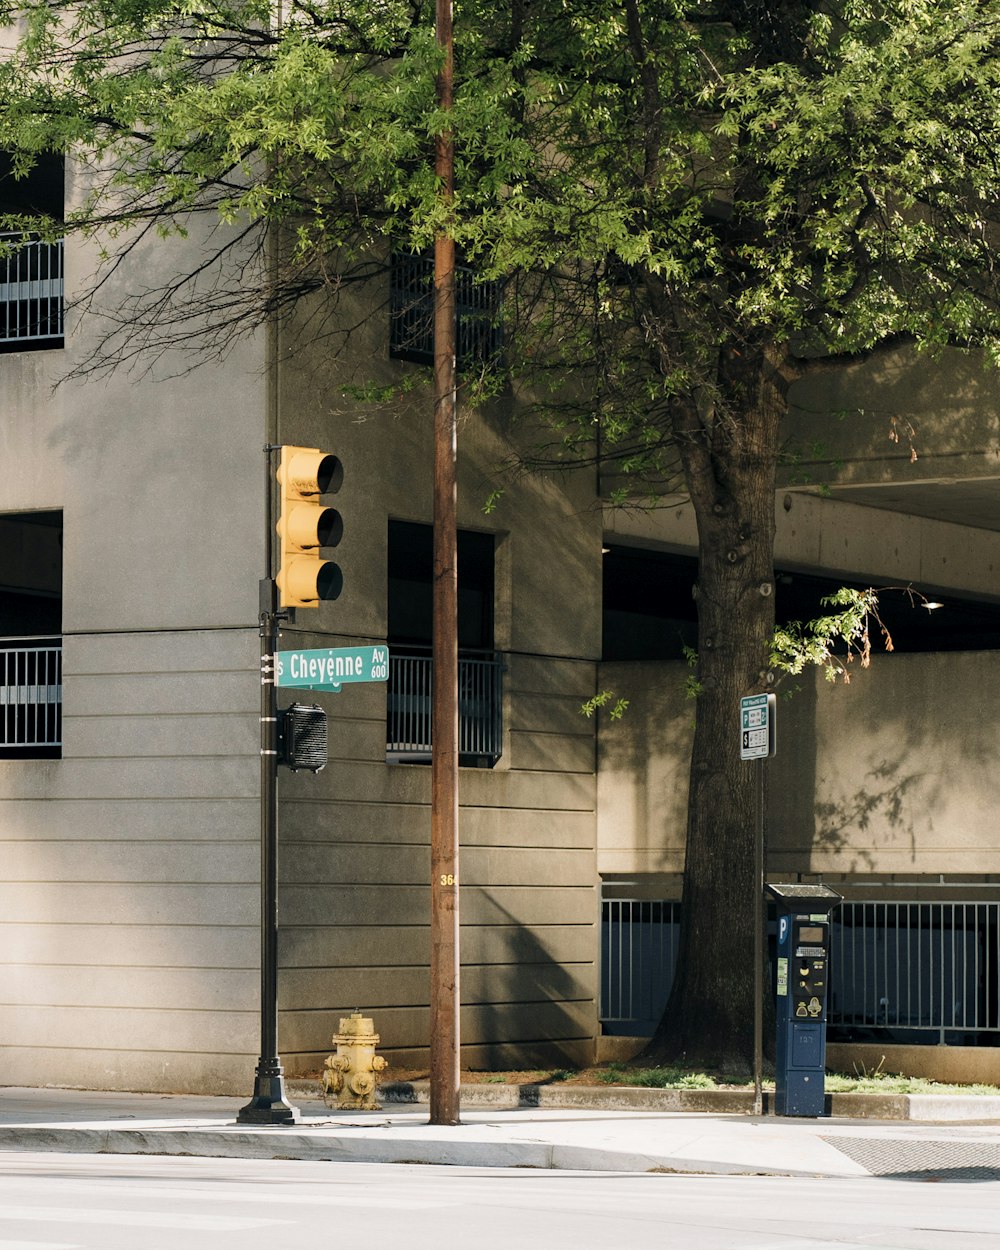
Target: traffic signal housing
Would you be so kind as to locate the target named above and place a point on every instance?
(306, 526)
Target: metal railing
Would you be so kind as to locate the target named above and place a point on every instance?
(902, 971)
(30, 695)
(638, 958)
(31, 291)
(480, 707)
(411, 311)
(927, 967)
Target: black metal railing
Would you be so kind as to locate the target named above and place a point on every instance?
(31, 291)
(30, 696)
(480, 706)
(914, 970)
(411, 303)
(926, 969)
(638, 957)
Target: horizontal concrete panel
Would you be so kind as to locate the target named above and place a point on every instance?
(409, 946)
(669, 859)
(187, 651)
(152, 694)
(547, 675)
(364, 700)
(127, 861)
(362, 703)
(549, 713)
(126, 946)
(164, 989)
(228, 1072)
(503, 1057)
(568, 792)
(129, 904)
(367, 988)
(352, 738)
(899, 860)
(410, 783)
(303, 863)
(373, 782)
(389, 824)
(489, 1024)
(215, 778)
(181, 735)
(216, 820)
(383, 988)
(553, 753)
(120, 1028)
(410, 905)
(314, 863)
(516, 866)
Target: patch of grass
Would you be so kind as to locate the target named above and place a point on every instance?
(879, 1082)
(655, 1078)
(863, 1082)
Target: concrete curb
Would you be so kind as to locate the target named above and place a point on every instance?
(456, 1150)
(589, 1129)
(274, 1143)
(924, 1108)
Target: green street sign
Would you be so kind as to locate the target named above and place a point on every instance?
(328, 669)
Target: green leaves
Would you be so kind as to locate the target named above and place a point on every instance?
(652, 182)
(796, 646)
(608, 699)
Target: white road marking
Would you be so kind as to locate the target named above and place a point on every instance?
(137, 1219)
(40, 1245)
(335, 1195)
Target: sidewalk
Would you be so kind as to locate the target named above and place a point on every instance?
(594, 1138)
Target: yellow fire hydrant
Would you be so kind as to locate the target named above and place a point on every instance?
(350, 1073)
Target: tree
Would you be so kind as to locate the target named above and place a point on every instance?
(692, 204)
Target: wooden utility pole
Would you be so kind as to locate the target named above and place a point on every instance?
(445, 998)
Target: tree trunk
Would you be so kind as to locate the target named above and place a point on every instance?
(730, 466)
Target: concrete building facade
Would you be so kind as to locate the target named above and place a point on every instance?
(129, 890)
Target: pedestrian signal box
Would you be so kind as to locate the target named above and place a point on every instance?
(803, 980)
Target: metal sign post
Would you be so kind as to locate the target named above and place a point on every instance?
(758, 741)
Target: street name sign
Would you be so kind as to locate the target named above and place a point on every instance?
(329, 668)
(757, 726)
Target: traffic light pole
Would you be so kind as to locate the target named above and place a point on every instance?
(269, 1104)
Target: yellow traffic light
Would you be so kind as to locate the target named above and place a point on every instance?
(305, 526)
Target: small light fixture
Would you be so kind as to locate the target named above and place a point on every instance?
(605, 550)
(932, 605)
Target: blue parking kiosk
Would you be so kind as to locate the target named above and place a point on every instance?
(803, 978)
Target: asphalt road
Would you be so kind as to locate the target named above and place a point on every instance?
(114, 1202)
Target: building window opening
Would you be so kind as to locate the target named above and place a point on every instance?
(31, 267)
(650, 612)
(649, 608)
(31, 635)
(480, 670)
(411, 322)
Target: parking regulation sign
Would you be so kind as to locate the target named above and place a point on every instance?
(757, 726)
